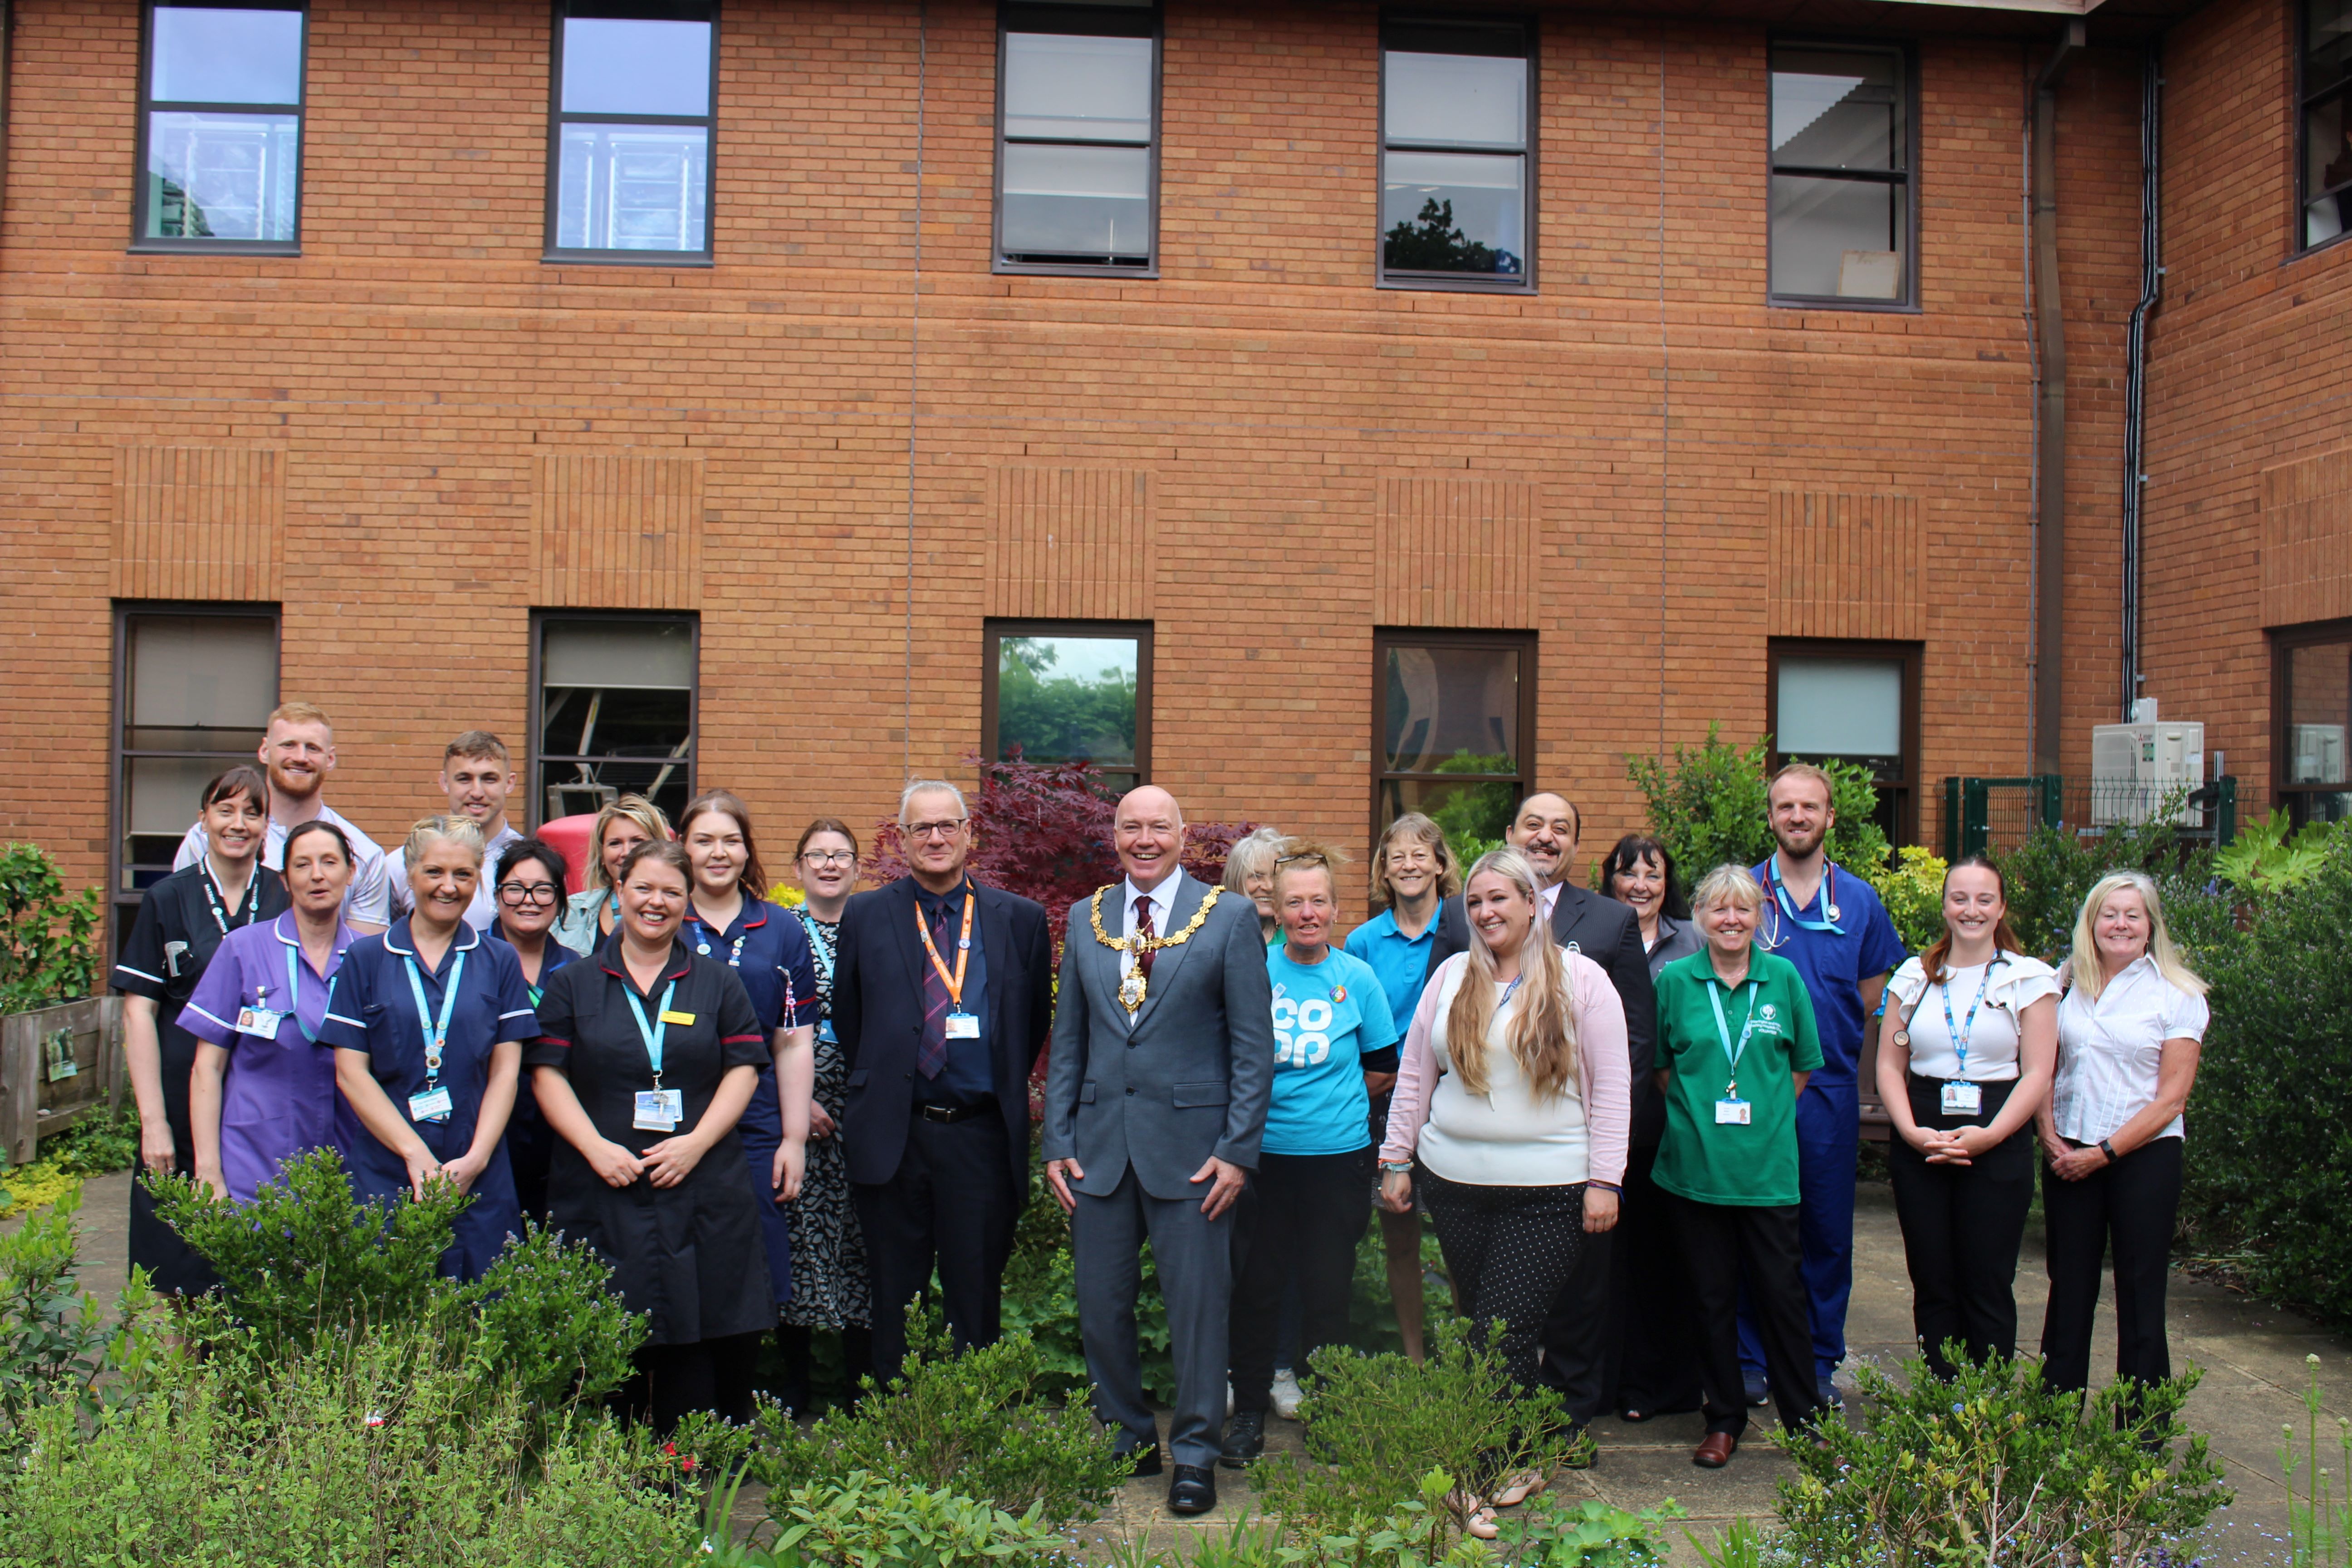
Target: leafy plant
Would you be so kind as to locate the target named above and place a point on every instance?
(60, 1346)
(545, 1317)
(1546, 1532)
(2272, 856)
(978, 1424)
(48, 939)
(1991, 1467)
(2051, 871)
(1912, 889)
(2319, 1523)
(867, 1521)
(1708, 806)
(100, 1143)
(1474, 817)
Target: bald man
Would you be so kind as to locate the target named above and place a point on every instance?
(1162, 1061)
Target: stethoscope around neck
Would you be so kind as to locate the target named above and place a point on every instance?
(1776, 901)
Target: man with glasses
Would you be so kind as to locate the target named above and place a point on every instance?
(477, 774)
(942, 994)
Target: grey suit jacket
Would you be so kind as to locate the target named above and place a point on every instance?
(1189, 1078)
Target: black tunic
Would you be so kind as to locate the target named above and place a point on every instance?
(690, 1256)
(180, 925)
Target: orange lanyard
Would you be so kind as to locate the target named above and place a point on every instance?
(954, 983)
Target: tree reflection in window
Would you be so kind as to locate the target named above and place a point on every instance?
(1436, 244)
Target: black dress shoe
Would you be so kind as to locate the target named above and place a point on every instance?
(1194, 1489)
(1146, 1459)
(1245, 1439)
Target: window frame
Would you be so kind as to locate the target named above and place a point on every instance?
(123, 904)
(1911, 656)
(1907, 179)
(2284, 642)
(554, 255)
(998, 262)
(2300, 107)
(141, 244)
(1525, 643)
(536, 811)
(1531, 186)
(994, 630)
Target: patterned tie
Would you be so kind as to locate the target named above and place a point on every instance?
(1144, 929)
(932, 1057)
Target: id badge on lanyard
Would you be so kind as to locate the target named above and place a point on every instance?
(657, 1109)
(960, 1025)
(1963, 1097)
(1732, 1110)
(433, 1104)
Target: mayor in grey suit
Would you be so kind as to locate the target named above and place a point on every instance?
(1151, 1121)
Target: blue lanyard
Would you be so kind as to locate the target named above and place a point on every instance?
(1782, 906)
(1960, 1034)
(1723, 1029)
(436, 1036)
(655, 1033)
(735, 955)
(294, 998)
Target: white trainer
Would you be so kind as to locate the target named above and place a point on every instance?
(1286, 1394)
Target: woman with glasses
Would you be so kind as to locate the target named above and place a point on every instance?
(1249, 871)
(527, 895)
(624, 824)
(830, 1289)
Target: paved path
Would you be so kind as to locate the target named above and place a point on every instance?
(2252, 1354)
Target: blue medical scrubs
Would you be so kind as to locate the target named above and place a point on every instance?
(1834, 954)
(375, 1012)
(769, 952)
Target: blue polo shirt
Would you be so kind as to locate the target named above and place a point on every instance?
(1400, 962)
(1328, 1017)
(1832, 963)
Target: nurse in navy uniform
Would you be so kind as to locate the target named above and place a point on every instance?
(428, 1026)
(647, 1055)
(180, 923)
(529, 894)
(727, 919)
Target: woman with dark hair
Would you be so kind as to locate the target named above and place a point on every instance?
(1640, 874)
(182, 924)
(529, 896)
(830, 1288)
(1962, 1083)
(649, 1053)
(727, 919)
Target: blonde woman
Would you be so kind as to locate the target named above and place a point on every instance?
(621, 826)
(1510, 1115)
(2130, 1030)
(1249, 871)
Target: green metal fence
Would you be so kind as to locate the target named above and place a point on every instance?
(1983, 817)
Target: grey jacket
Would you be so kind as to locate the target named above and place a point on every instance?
(1189, 1078)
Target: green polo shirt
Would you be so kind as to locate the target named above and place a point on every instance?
(1753, 1166)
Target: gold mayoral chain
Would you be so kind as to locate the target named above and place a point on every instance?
(1130, 990)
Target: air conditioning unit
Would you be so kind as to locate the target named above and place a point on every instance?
(2136, 768)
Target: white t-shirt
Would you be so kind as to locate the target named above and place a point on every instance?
(2109, 1050)
(1507, 1137)
(2017, 983)
(485, 907)
(367, 898)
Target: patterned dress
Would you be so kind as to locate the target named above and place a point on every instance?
(830, 1288)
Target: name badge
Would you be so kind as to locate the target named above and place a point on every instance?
(1731, 1113)
(659, 1109)
(258, 1021)
(433, 1105)
(1963, 1099)
(684, 1020)
(963, 1027)
(825, 1032)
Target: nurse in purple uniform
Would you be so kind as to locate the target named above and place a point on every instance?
(263, 1090)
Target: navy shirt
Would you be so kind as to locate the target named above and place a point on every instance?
(969, 1077)
(769, 953)
(1834, 962)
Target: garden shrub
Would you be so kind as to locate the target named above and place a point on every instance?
(2051, 872)
(865, 1521)
(1708, 806)
(48, 939)
(1912, 889)
(100, 1142)
(1993, 1467)
(59, 1346)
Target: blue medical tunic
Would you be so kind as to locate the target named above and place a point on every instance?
(375, 1012)
(769, 953)
(531, 1142)
(1834, 963)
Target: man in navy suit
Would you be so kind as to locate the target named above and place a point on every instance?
(942, 1000)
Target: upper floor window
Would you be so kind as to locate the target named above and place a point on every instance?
(1068, 691)
(2325, 182)
(615, 699)
(1841, 140)
(629, 161)
(1455, 202)
(1077, 117)
(220, 128)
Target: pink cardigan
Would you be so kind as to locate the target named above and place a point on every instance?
(1604, 1071)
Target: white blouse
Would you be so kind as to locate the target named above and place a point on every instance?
(2017, 983)
(2109, 1050)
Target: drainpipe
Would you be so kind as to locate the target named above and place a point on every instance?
(6, 18)
(2050, 335)
(2151, 287)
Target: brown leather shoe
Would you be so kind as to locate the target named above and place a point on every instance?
(1715, 1452)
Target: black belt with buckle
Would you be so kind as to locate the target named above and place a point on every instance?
(951, 1114)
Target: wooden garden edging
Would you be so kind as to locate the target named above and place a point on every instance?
(57, 1065)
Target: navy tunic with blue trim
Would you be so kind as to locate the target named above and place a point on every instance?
(531, 1142)
(375, 1012)
(769, 953)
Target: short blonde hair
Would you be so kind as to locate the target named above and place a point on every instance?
(299, 714)
(1804, 771)
(2088, 972)
(1251, 853)
(1413, 825)
(1309, 855)
(637, 809)
(462, 831)
(1727, 884)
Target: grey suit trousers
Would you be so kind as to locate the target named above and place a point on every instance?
(1195, 1258)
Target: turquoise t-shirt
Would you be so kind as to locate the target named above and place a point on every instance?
(1328, 1017)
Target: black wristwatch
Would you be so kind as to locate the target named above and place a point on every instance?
(2109, 1151)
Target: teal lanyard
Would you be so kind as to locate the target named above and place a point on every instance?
(1723, 1029)
(1782, 906)
(1961, 1034)
(294, 996)
(436, 1036)
(535, 993)
(735, 955)
(653, 1033)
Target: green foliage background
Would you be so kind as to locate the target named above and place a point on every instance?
(48, 939)
(1706, 805)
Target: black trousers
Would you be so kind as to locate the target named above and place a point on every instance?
(2132, 1204)
(708, 1375)
(1296, 1226)
(948, 1207)
(1653, 1331)
(1510, 1250)
(1962, 1226)
(1723, 1247)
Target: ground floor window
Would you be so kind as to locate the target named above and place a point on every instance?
(2311, 686)
(1067, 691)
(613, 700)
(1834, 701)
(1454, 722)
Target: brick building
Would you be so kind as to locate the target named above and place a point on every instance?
(1315, 407)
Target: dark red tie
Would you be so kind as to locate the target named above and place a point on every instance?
(932, 1057)
(1144, 929)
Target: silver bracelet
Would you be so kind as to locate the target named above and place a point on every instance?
(1397, 1167)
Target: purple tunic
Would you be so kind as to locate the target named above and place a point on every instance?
(278, 1096)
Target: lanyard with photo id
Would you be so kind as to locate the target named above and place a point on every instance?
(658, 1110)
(433, 1104)
(1731, 1110)
(1963, 1097)
(960, 1025)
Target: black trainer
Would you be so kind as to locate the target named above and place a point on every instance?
(1245, 1439)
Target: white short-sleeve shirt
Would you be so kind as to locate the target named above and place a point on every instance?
(369, 897)
(2015, 984)
(2109, 1050)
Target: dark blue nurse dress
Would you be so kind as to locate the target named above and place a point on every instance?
(531, 1142)
(769, 953)
(375, 1012)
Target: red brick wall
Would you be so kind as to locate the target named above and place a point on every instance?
(418, 355)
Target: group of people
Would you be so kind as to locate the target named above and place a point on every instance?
(1633, 1122)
